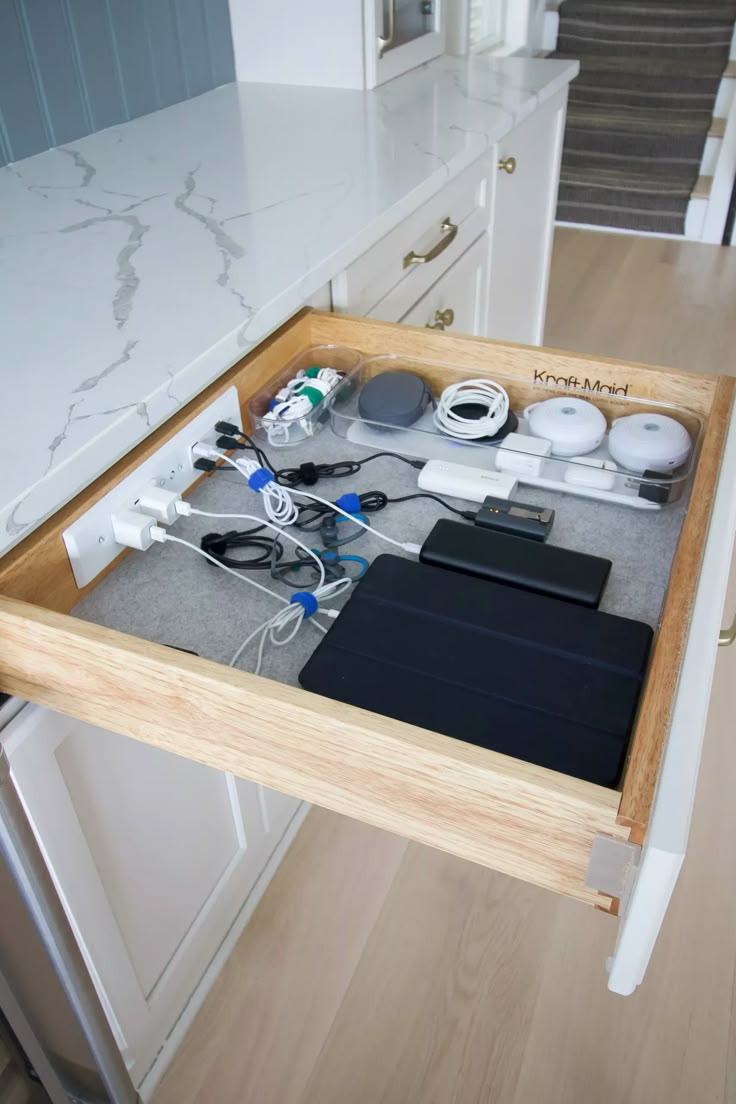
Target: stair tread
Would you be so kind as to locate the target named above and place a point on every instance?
(717, 128)
(730, 70)
(702, 187)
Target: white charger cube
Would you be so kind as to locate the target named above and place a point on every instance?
(522, 454)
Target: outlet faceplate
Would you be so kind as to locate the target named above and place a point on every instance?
(90, 543)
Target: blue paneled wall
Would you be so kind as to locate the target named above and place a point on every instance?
(69, 67)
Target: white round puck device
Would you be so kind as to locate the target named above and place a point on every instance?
(574, 426)
(649, 442)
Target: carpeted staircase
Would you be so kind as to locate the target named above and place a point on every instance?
(640, 110)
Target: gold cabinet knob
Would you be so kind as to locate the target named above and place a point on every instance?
(507, 165)
(442, 318)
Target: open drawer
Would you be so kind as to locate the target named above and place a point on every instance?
(619, 851)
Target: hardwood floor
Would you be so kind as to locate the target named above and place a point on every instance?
(380, 972)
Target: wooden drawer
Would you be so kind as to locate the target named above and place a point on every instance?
(465, 202)
(515, 817)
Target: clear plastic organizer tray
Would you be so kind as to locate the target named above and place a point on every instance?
(594, 474)
(283, 432)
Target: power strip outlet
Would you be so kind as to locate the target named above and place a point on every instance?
(90, 543)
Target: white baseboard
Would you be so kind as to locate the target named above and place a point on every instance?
(195, 1002)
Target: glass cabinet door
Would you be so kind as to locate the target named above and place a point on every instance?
(404, 21)
(401, 34)
(411, 19)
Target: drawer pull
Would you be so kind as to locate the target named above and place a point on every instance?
(507, 165)
(449, 233)
(727, 636)
(442, 318)
(386, 40)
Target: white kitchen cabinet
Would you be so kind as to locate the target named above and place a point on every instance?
(528, 171)
(154, 857)
(457, 302)
(334, 43)
(509, 196)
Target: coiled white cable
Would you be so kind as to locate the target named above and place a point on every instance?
(479, 392)
(289, 619)
(277, 502)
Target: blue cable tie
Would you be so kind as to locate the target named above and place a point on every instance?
(350, 503)
(306, 600)
(259, 479)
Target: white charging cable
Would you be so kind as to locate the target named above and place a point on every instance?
(277, 501)
(478, 392)
(273, 630)
(295, 402)
(281, 507)
(133, 529)
(406, 546)
(166, 506)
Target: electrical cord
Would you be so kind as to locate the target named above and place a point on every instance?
(308, 474)
(451, 412)
(279, 504)
(312, 515)
(302, 605)
(284, 625)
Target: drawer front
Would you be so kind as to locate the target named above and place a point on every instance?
(464, 203)
(512, 816)
(457, 302)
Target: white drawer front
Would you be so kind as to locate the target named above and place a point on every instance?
(465, 202)
(458, 302)
(666, 841)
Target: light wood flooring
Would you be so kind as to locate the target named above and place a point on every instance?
(380, 972)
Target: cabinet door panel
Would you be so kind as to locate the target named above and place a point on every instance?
(462, 291)
(161, 834)
(153, 856)
(523, 224)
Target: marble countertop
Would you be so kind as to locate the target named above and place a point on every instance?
(138, 264)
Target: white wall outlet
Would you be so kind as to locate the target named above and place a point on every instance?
(90, 542)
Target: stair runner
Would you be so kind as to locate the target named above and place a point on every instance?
(640, 110)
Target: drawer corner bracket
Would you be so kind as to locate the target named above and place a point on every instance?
(612, 866)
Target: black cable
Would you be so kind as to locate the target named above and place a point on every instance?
(268, 549)
(469, 515)
(306, 475)
(269, 558)
(312, 514)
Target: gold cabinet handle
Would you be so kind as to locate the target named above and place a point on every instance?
(386, 40)
(449, 233)
(727, 636)
(507, 165)
(442, 318)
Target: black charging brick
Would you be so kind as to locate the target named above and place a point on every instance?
(518, 518)
(517, 561)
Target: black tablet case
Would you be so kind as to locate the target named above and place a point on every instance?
(534, 677)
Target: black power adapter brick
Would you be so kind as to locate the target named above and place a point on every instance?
(517, 561)
(518, 518)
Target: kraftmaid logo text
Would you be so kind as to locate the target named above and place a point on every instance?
(583, 385)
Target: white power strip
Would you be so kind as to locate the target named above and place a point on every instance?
(90, 542)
